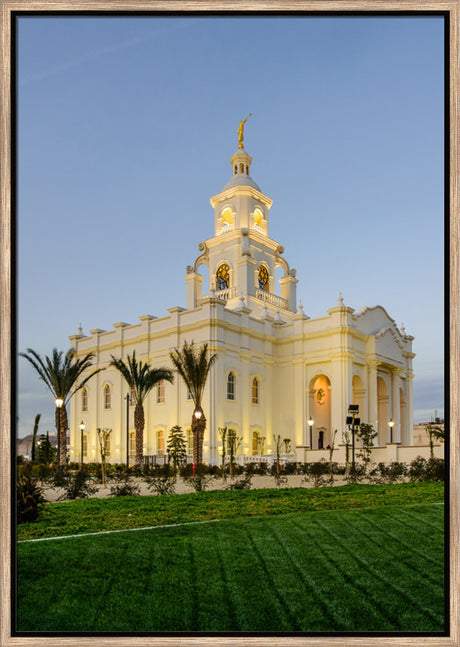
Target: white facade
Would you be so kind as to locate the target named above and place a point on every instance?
(275, 367)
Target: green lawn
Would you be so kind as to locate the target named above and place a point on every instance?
(94, 515)
(369, 569)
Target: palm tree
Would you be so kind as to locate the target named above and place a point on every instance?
(141, 379)
(193, 366)
(34, 435)
(62, 375)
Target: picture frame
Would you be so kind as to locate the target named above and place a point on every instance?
(7, 308)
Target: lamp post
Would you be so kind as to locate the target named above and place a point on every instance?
(128, 400)
(391, 424)
(59, 402)
(82, 429)
(310, 424)
(352, 420)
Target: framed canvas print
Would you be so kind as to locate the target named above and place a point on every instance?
(229, 323)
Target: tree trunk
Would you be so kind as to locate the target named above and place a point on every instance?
(198, 427)
(61, 428)
(139, 423)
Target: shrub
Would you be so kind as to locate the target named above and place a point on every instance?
(316, 473)
(422, 469)
(198, 483)
(30, 499)
(124, 485)
(162, 484)
(243, 483)
(390, 473)
(357, 474)
(78, 485)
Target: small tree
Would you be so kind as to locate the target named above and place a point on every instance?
(287, 445)
(103, 436)
(346, 438)
(233, 443)
(331, 455)
(434, 433)
(278, 447)
(34, 436)
(366, 434)
(177, 447)
(46, 452)
(223, 436)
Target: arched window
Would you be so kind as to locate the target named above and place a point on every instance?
(223, 277)
(189, 440)
(160, 441)
(230, 386)
(263, 278)
(107, 445)
(161, 392)
(255, 391)
(84, 399)
(255, 443)
(132, 444)
(258, 219)
(85, 445)
(107, 397)
(227, 219)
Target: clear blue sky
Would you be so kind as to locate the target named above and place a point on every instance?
(126, 127)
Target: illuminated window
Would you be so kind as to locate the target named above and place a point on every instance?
(223, 277)
(255, 442)
(263, 278)
(85, 445)
(258, 219)
(231, 386)
(160, 441)
(107, 397)
(255, 391)
(161, 392)
(84, 400)
(107, 445)
(132, 443)
(227, 219)
(189, 440)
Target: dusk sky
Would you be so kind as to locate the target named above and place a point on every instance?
(125, 130)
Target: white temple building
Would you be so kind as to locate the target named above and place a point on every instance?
(276, 368)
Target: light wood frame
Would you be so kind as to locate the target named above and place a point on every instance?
(452, 7)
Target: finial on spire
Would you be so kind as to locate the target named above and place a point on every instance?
(240, 131)
(403, 330)
(340, 300)
(80, 330)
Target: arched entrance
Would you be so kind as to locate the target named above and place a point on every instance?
(320, 411)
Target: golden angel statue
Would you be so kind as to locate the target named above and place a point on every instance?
(240, 131)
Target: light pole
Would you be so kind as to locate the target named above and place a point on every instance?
(310, 424)
(82, 429)
(59, 402)
(352, 420)
(391, 424)
(128, 400)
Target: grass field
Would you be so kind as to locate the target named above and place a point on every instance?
(94, 515)
(367, 569)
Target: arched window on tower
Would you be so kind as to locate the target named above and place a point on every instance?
(258, 220)
(230, 386)
(84, 399)
(263, 278)
(223, 277)
(227, 219)
(255, 391)
(107, 397)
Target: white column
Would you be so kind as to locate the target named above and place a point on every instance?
(372, 396)
(396, 406)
